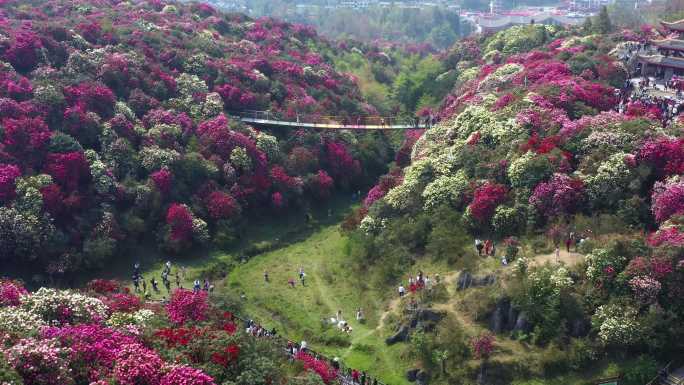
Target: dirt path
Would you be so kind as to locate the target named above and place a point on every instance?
(569, 259)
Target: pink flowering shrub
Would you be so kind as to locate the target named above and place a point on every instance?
(483, 345)
(136, 365)
(69, 170)
(23, 53)
(10, 293)
(179, 219)
(560, 195)
(8, 174)
(667, 199)
(185, 306)
(41, 362)
(163, 180)
(665, 155)
(645, 288)
(185, 375)
(323, 184)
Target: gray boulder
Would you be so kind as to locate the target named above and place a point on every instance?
(401, 336)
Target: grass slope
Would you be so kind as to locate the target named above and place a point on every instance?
(331, 285)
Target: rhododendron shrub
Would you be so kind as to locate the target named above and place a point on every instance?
(327, 373)
(222, 205)
(40, 362)
(485, 200)
(11, 293)
(8, 174)
(163, 180)
(69, 169)
(185, 375)
(667, 199)
(179, 219)
(136, 365)
(185, 306)
(560, 195)
(665, 155)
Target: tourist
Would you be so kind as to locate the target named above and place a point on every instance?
(335, 363)
(355, 375)
(291, 282)
(265, 276)
(136, 283)
(183, 272)
(359, 315)
(167, 285)
(302, 276)
(154, 285)
(196, 287)
(303, 346)
(402, 291)
(205, 287)
(136, 269)
(167, 267)
(178, 280)
(211, 288)
(568, 243)
(144, 283)
(557, 254)
(504, 261)
(338, 316)
(479, 246)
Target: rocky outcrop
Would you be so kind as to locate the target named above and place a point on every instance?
(467, 280)
(425, 319)
(507, 317)
(401, 335)
(412, 375)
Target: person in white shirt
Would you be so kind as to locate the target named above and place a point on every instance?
(402, 291)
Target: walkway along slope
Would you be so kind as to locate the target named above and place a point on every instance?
(266, 118)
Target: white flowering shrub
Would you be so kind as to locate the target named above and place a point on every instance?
(189, 85)
(18, 321)
(153, 157)
(200, 230)
(63, 306)
(212, 106)
(528, 170)
(102, 177)
(139, 318)
(268, 144)
(520, 266)
(240, 159)
(29, 199)
(560, 279)
(610, 182)
(601, 264)
(446, 190)
(616, 324)
(371, 225)
(500, 77)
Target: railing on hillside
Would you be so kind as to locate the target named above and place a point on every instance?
(333, 122)
(657, 379)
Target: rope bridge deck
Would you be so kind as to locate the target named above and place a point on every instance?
(266, 118)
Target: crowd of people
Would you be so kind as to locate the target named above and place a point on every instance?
(418, 283)
(640, 90)
(140, 283)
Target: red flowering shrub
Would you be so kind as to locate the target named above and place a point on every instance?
(69, 169)
(92, 97)
(487, 197)
(24, 137)
(323, 183)
(227, 356)
(327, 373)
(186, 305)
(221, 205)
(104, 286)
(124, 302)
(177, 336)
(179, 219)
(340, 162)
(8, 174)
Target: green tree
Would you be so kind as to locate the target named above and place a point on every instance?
(603, 24)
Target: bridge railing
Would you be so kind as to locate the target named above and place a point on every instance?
(343, 121)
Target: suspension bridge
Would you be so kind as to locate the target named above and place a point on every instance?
(270, 119)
